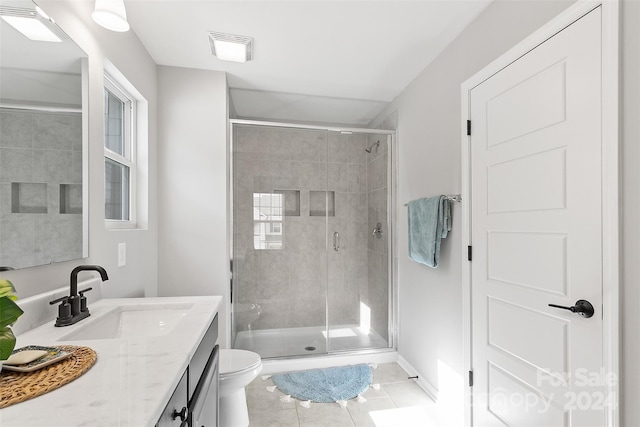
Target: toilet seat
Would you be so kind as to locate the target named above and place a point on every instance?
(234, 361)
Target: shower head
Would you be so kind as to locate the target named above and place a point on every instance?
(375, 144)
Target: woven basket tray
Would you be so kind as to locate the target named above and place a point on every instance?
(16, 387)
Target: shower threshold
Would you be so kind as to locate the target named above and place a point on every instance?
(272, 343)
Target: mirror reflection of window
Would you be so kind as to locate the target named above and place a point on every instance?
(268, 210)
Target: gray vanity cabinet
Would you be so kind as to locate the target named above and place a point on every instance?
(194, 403)
(175, 414)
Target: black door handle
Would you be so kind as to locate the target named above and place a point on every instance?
(582, 307)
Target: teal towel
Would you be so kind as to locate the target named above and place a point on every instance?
(429, 221)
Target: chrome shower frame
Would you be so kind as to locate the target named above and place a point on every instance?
(391, 226)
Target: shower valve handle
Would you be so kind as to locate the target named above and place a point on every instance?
(378, 230)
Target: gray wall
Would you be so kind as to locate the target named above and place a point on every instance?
(193, 253)
(630, 212)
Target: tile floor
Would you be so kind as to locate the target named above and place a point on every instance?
(399, 402)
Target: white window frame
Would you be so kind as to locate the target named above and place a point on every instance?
(129, 149)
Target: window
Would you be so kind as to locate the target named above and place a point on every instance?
(267, 220)
(119, 155)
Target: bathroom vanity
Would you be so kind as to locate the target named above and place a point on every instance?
(152, 355)
(195, 399)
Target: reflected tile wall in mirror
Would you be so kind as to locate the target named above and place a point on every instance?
(34, 227)
(41, 146)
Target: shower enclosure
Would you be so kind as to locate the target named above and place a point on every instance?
(312, 239)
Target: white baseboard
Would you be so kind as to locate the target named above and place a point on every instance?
(421, 381)
(304, 363)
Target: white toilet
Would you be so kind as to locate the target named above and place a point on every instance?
(237, 369)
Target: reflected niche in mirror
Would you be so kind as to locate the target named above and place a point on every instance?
(42, 144)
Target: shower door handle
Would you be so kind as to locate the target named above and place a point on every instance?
(336, 241)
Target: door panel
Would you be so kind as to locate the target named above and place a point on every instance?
(536, 231)
(509, 118)
(510, 254)
(503, 383)
(534, 182)
(527, 332)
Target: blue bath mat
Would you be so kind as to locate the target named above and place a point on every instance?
(325, 385)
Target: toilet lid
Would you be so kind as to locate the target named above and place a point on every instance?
(237, 360)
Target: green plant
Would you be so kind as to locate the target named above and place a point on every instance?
(9, 313)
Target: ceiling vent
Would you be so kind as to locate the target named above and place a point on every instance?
(32, 23)
(230, 47)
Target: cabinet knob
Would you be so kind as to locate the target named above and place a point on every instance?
(182, 414)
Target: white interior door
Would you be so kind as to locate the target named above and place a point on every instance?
(536, 230)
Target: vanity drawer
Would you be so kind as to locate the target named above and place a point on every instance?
(176, 411)
(202, 355)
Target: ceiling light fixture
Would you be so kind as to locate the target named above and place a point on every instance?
(111, 15)
(32, 25)
(230, 47)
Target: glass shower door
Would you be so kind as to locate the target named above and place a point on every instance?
(279, 241)
(310, 275)
(358, 266)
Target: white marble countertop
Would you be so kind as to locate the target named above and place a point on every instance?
(132, 380)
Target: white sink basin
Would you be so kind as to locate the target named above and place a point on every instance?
(131, 321)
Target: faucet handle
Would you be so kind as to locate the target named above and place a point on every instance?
(83, 301)
(61, 299)
(83, 291)
(64, 311)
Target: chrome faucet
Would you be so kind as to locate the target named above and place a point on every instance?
(73, 308)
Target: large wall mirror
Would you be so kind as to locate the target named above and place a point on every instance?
(43, 140)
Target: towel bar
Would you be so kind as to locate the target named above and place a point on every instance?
(453, 198)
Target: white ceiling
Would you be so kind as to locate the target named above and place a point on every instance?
(34, 72)
(18, 52)
(337, 62)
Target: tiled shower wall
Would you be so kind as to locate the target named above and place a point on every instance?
(377, 296)
(290, 283)
(40, 187)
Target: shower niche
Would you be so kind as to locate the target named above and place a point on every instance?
(304, 204)
(322, 203)
(291, 202)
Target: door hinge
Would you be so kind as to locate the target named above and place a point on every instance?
(469, 251)
(470, 378)
(468, 127)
